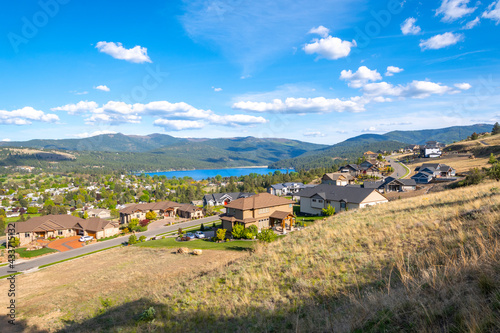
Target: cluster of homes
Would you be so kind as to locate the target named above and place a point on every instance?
(162, 209)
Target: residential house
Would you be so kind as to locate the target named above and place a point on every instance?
(352, 169)
(422, 177)
(314, 200)
(222, 199)
(368, 168)
(97, 227)
(162, 209)
(263, 210)
(100, 213)
(391, 184)
(433, 171)
(289, 188)
(369, 155)
(432, 149)
(337, 178)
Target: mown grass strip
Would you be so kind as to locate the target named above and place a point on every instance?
(9, 275)
(407, 170)
(81, 255)
(192, 228)
(1, 265)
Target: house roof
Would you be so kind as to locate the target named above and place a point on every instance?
(280, 215)
(338, 193)
(337, 175)
(233, 195)
(261, 200)
(47, 223)
(404, 182)
(95, 224)
(369, 152)
(188, 208)
(351, 166)
(422, 174)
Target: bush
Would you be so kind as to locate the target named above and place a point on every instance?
(144, 223)
(221, 234)
(151, 215)
(125, 230)
(32, 210)
(267, 235)
(202, 227)
(474, 178)
(328, 211)
(253, 229)
(14, 242)
(133, 224)
(142, 239)
(238, 231)
(132, 239)
(148, 314)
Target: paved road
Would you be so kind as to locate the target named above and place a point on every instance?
(33, 263)
(399, 170)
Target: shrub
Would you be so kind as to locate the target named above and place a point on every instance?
(221, 234)
(474, 178)
(132, 239)
(32, 210)
(253, 229)
(133, 224)
(328, 211)
(202, 227)
(267, 235)
(492, 160)
(151, 215)
(238, 231)
(180, 232)
(14, 242)
(248, 234)
(125, 230)
(144, 223)
(142, 239)
(148, 314)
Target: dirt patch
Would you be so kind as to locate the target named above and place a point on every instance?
(72, 290)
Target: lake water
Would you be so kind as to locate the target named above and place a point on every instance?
(206, 173)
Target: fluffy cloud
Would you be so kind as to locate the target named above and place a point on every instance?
(314, 134)
(391, 70)
(26, 116)
(321, 30)
(330, 48)
(463, 86)
(136, 54)
(472, 23)
(370, 129)
(493, 12)
(178, 125)
(216, 89)
(408, 27)
(441, 41)
(115, 112)
(88, 135)
(102, 87)
(414, 89)
(6, 140)
(359, 78)
(303, 105)
(80, 107)
(454, 9)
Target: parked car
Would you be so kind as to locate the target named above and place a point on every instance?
(190, 235)
(86, 238)
(199, 234)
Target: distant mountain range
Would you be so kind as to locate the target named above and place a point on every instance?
(163, 152)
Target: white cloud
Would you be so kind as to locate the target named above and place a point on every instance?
(408, 27)
(321, 30)
(25, 116)
(441, 41)
(216, 89)
(463, 86)
(178, 125)
(472, 23)
(79, 92)
(314, 134)
(137, 54)
(303, 105)
(362, 76)
(414, 89)
(102, 87)
(454, 9)
(88, 135)
(80, 107)
(493, 12)
(369, 130)
(391, 70)
(6, 140)
(330, 48)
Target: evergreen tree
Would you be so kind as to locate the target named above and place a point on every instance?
(496, 129)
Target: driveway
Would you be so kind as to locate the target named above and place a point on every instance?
(36, 262)
(399, 170)
(66, 244)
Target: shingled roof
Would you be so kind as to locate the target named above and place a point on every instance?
(337, 193)
(94, 224)
(47, 223)
(261, 200)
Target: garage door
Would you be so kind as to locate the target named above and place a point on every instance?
(91, 234)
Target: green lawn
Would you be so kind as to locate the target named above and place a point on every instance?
(199, 244)
(193, 229)
(308, 220)
(16, 218)
(111, 237)
(31, 254)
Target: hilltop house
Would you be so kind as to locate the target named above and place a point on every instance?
(263, 210)
(369, 155)
(365, 168)
(391, 184)
(352, 169)
(162, 209)
(101, 213)
(222, 199)
(314, 200)
(432, 149)
(49, 226)
(433, 171)
(337, 178)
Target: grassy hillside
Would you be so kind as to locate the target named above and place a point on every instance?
(426, 264)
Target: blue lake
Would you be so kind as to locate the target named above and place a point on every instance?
(206, 173)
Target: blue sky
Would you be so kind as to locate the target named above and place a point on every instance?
(318, 71)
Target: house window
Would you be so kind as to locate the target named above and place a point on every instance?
(60, 233)
(342, 205)
(27, 234)
(314, 200)
(263, 210)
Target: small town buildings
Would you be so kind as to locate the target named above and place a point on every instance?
(222, 199)
(314, 200)
(100, 213)
(263, 210)
(337, 178)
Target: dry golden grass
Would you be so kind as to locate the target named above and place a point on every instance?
(425, 264)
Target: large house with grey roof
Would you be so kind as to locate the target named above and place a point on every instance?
(222, 199)
(314, 200)
(432, 171)
(289, 188)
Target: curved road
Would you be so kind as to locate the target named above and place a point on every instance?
(399, 170)
(34, 263)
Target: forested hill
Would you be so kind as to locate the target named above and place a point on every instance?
(352, 148)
